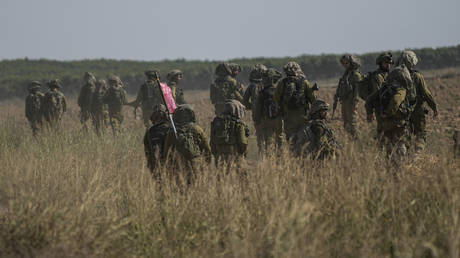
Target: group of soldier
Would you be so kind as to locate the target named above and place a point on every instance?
(285, 111)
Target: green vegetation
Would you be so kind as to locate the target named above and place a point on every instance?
(15, 74)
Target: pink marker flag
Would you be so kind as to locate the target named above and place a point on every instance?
(168, 97)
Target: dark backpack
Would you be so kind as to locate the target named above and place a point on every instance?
(365, 86)
(386, 93)
(224, 128)
(271, 107)
(114, 98)
(54, 102)
(186, 144)
(292, 92)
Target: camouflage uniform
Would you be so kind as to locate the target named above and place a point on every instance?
(294, 94)
(174, 77)
(316, 139)
(54, 104)
(229, 134)
(115, 98)
(397, 107)
(225, 86)
(85, 99)
(267, 112)
(34, 102)
(347, 93)
(149, 95)
(154, 139)
(418, 116)
(191, 144)
(376, 80)
(99, 110)
(251, 94)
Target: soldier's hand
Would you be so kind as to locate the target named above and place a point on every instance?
(370, 118)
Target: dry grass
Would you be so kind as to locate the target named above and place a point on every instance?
(72, 194)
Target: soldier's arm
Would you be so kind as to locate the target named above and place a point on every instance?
(426, 93)
(354, 81)
(395, 102)
(258, 108)
(211, 141)
(203, 143)
(278, 92)
(242, 138)
(180, 99)
(238, 91)
(27, 108)
(64, 103)
(371, 101)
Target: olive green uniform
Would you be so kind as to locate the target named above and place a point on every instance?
(178, 93)
(148, 95)
(229, 138)
(294, 114)
(225, 87)
(85, 99)
(249, 101)
(33, 110)
(317, 140)
(54, 106)
(154, 142)
(418, 117)
(115, 98)
(347, 93)
(99, 109)
(376, 81)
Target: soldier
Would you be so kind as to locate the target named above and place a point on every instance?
(190, 145)
(34, 102)
(375, 80)
(85, 99)
(229, 134)
(225, 86)
(251, 94)
(174, 77)
(316, 138)
(149, 95)
(347, 93)
(155, 137)
(54, 104)
(418, 117)
(267, 112)
(115, 98)
(99, 110)
(294, 94)
(397, 97)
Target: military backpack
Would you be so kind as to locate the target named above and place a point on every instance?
(272, 109)
(224, 128)
(186, 144)
(365, 85)
(54, 102)
(115, 98)
(33, 104)
(293, 94)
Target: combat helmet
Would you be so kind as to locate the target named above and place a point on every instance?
(235, 68)
(223, 69)
(408, 58)
(114, 80)
(89, 78)
(384, 57)
(319, 105)
(234, 108)
(257, 72)
(184, 114)
(34, 85)
(159, 113)
(292, 69)
(354, 61)
(174, 75)
(152, 74)
(54, 84)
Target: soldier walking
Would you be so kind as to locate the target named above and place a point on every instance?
(174, 78)
(225, 86)
(347, 93)
(54, 104)
(115, 98)
(99, 110)
(85, 99)
(34, 102)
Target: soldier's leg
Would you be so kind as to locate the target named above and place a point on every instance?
(418, 124)
(349, 119)
(84, 117)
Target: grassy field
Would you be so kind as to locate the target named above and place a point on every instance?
(78, 195)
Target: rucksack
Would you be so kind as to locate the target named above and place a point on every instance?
(386, 93)
(221, 90)
(54, 102)
(33, 103)
(186, 144)
(86, 96)
(271, 107)
(365, 85)
(114, 98)
(225, 131)
(292, 92)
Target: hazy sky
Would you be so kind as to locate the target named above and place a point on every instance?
(217, 29)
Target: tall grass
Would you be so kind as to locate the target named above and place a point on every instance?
(75, 194)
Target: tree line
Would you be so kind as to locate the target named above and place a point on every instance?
(16, 74)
